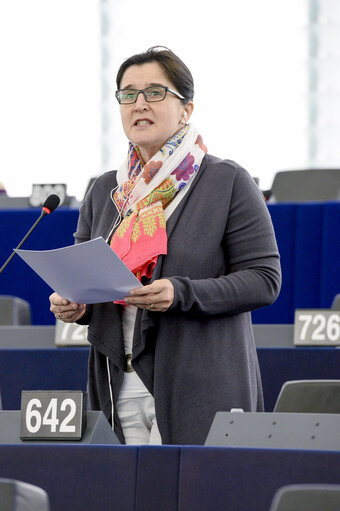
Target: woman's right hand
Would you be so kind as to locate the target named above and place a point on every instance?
(64, 310)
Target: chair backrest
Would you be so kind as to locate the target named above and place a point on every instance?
(336, 302)
(20, 496)
(306, 185)
(307, 497)
(309, 396)
(14, 311)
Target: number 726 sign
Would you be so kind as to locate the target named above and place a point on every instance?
(317, 327)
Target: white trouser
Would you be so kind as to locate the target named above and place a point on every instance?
(138, 420)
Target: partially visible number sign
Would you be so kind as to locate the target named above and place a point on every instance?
(53, 415)
(40, 192)
(70, 334)
(317, 327)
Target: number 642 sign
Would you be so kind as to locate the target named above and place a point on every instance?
(52, 415)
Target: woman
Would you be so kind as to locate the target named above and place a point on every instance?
(196, 231)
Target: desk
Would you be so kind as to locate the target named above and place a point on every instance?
(66, 368)
(307, 235)
(28, 336)
(43, 336)
(167, 478)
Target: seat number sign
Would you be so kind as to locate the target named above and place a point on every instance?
(40, 192)
(53, 415)
(70, 334)
(317, 327)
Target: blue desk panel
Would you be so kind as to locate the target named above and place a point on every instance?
(279, 365)
(107, 478)
(238, 479)
(66, 368)
(307, 236)
(158, 472)
(50, 369)
(54, 231)
(75, 479)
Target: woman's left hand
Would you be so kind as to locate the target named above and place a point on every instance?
(157, 297)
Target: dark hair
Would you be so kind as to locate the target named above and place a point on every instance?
(177, 72)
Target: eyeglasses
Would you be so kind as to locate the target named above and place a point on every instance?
(151, 94)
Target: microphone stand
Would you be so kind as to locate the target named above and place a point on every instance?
(42, 214)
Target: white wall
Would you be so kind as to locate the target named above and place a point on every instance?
(247, 59)
(50, 93)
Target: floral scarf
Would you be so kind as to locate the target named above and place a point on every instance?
(145, 190)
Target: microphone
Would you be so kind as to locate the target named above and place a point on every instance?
(50, 204)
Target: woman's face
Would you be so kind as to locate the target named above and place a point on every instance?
(149, 125)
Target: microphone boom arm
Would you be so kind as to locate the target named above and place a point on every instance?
(42, 214)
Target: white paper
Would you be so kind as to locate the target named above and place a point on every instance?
(89, 272)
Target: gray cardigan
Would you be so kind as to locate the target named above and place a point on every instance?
(199, 357)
